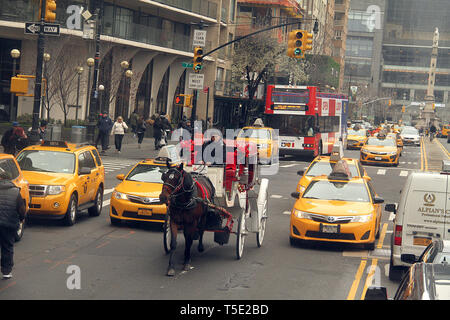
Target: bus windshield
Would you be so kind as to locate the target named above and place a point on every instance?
(300, 96)
(292, 125)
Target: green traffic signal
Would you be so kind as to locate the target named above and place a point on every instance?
(297, 52)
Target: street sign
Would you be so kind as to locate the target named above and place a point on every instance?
(187, 64)
(196, 81)
(50, 29)
(199, 38)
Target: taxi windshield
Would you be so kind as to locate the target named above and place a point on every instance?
(46, 161)
(336, 190)
(254, 133)
(319, 168)
(381, 142)
(361, 133)
(147, 173)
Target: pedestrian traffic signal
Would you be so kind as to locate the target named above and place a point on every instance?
(50, 10)
(183, 100)
(179, 100)
(307, 42)
(198, 59)
(295, 44)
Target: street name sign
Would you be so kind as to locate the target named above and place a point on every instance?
(187, 64)
(50, 29)
(196, 81)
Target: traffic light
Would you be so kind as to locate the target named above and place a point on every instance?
(390, 103)
(307, 42)
(50, 10)
(198, 59)
(179, 99)
(295, 44)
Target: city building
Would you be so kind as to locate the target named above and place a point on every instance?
(407, 45)
(143, 46)
(341, 9)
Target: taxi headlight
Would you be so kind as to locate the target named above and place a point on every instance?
(363, 218)
(301, 214)
(54, 190)
(119, 195)
(393, 153)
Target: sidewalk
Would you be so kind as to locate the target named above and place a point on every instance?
(130, 149)
(432, 155)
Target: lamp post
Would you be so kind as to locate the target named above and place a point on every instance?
(101, 89)
(128, 75)
(79, 72)
(90, 63)
(47, 58)
(124, 65)
(15, 54)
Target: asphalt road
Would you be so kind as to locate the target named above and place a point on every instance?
(129, 262)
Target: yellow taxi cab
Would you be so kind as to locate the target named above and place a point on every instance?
(356, 138)
(380, 149)
(445, 130)
(337, 208)
(323, 165)
(263, 138)
(399, 140)
(136, 198)
(9, 165)
(64, 179)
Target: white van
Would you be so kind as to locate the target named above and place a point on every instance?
(422, 216)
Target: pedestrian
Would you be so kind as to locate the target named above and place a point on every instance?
(15, 139)
(140, 130)
(12, 212)
(133, 121)
(118, 130)
(41, 130)
(157, 130)
(104, 126)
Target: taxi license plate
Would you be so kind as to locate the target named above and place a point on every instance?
(326, 228)
(419, 241)
(378, 158)
(144, 212)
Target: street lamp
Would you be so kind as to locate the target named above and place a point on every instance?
(79, 71)
(124, 65)
(90, 63)
(15, 54)
(47, 58)
(101, 88)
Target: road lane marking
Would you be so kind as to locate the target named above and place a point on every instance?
(107, 191)
(382, 235)
(289, 165)
(369, 278)
(381, 172)
(404, 173)
(355, 285)
(286, 212)
(276, 196)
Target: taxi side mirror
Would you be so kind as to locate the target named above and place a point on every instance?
(378, 200)
(120, 176)
(391, 207)
(376, 293)
(367, 178)
(295, 195)
(301, 172)
(84, 171)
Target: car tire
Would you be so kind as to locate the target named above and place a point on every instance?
(71, 213)
(96, 209)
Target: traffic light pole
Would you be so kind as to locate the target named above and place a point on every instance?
(33, 135)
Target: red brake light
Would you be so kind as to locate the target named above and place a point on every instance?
(398, 235)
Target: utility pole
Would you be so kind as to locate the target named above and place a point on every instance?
(33, 135)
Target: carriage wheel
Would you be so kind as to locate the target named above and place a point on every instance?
(241, 234)
(262, 223)
(167, 235)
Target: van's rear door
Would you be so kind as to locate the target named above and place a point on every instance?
(424, 219)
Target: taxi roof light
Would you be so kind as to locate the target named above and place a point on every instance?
(54, 143)
(340, 171)
(337, 153)
(167, 153)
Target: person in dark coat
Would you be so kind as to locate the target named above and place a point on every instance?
(14, 139)
(104, 126)
(12, 212)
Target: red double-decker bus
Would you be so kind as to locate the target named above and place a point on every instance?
(309, 122)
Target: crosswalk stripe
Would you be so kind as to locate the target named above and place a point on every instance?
(404, 173)
(381, 172)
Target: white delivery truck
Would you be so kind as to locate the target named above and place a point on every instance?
(422, 216)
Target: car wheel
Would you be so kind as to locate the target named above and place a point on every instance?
(71, 213)
(96, 209)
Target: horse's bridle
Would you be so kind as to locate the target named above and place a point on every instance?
(175, 190)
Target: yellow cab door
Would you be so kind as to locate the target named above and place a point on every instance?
(83, 178)
(11, 168)
(91, 178)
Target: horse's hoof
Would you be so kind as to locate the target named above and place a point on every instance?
(171, 272)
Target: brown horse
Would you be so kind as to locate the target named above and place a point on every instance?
(186, 199)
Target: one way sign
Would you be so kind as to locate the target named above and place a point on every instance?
(50, 29)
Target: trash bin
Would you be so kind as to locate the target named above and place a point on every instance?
(78, 134)
(54, 133)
